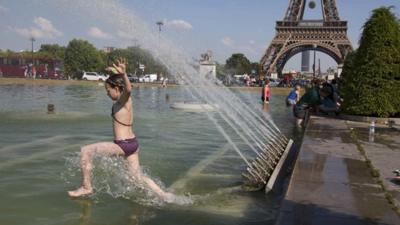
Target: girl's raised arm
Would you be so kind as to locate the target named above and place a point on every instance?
(119, 69)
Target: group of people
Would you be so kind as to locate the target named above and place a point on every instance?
(249, 80)
(321, 98)
(30, 71)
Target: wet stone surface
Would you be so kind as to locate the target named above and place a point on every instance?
(331, 182)
(383, 150)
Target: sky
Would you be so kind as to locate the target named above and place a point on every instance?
(223, 26)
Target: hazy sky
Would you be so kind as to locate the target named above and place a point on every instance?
(223, 26)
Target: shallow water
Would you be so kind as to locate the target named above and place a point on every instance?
(182, 151)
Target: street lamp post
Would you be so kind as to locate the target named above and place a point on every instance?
(159, 24)
(32, 39)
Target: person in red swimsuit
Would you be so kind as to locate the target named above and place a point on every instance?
(125, 142)
(266, 93)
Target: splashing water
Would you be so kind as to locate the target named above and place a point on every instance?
(110, 175)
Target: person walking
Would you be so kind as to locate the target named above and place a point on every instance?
(266, 92)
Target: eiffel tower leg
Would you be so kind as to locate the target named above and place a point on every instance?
(274, 52)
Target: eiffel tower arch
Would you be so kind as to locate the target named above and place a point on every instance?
(295, 35)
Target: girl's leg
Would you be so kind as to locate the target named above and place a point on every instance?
(134, 167)
(87, 152)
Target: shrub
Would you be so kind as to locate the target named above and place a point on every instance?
(371, 75)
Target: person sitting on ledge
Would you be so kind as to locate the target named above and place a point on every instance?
(310, 100)
(328, 104)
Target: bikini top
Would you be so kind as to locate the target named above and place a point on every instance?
(113, 116)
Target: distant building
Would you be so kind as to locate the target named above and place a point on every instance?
(207, 65)
(108, 49)
(305, 61)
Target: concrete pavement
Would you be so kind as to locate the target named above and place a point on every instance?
(332, 183)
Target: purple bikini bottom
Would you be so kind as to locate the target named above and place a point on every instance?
(129, 146)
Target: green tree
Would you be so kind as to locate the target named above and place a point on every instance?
(221, 73)
(238, 64)
(256, 67)
(371, 75)
(52, 50)
(136, 55)
(80, 56)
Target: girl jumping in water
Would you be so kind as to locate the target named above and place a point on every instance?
(125, 142)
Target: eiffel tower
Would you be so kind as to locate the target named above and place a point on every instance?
(295, 35)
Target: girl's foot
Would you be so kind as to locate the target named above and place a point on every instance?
(168, 197)
(177, 199)
(82, 191)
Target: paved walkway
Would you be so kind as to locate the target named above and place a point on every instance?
(331, 181)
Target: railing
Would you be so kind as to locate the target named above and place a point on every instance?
(311, 23)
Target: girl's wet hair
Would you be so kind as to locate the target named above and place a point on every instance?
(116, 81)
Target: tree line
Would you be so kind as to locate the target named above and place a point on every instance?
(80, 55)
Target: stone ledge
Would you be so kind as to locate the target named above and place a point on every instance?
(368, 119)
